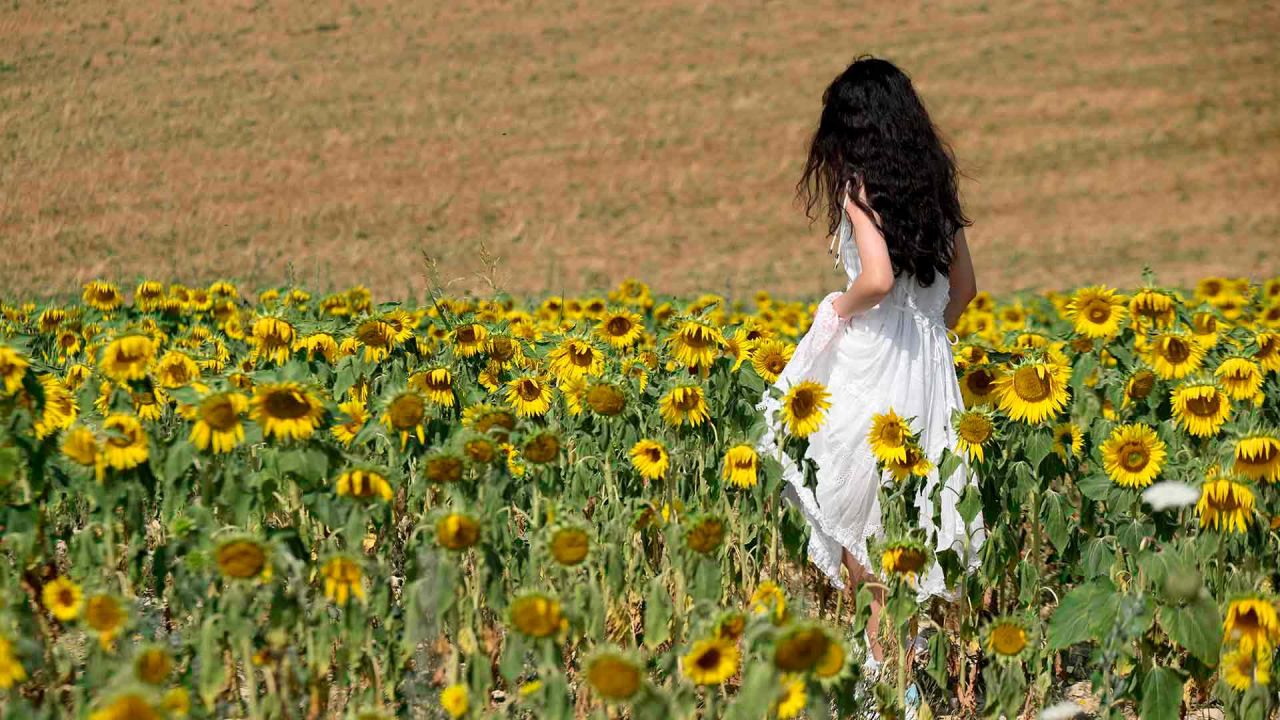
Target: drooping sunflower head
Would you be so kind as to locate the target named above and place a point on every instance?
(1241, 378)
(974, 429)
(568, 544)
(241, 558)
(650, 459)
(529, 394)
(536, 614)
(1257, 456)
(613, 675)
(457, 531)
(1200, 408)
(695, 343)
(710, 661)
(705, 533)
(435, 383)
(272, 338)
(1174, 354)
(1133, 455)
(575, 358)
(606, 399)
(103, 296)
(801, 648)
(377, 337)
(1242, 669)
(1225, 504)
(889, 436)
(1252, 624)
(804, 407)
(730, 625)
(286, 410)
(979, 386)
(1150, 306)
(740, 466)
(128, 358)
(443, 467)
(363, 484)
(13, 367)
(541, 448)
(218, 424)
(1267, 353)
(126, 445)
(1068, 440)
(1139, 385)
(1034, 391)
(1097, 311)
(904, 559)
(1007, 638)
(405, 414)
(343, 578)
(684, 405)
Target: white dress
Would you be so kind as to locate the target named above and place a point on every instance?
(895, 355)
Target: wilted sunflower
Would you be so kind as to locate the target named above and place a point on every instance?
(979, 386)
(1033, 392)
(620, 328)
(650, 459)
(63, 598)
(480, 449)
(272, 338)
(770, 357)
(1133, 455)
(342, 579)
(695, 343)
(974, 429)
(710, 662)
(1006, 638)
(1200, 408)
(541, 448)
(684, 405)
(1174, 355)
(126, 444)
(1242, 669)
(241, 558)
(801, 648)
(804, 407)
(363, 485)
(576, 358)
(1096, 311)
(614, 676)
(605, 399)
(443, 467)
(405, 414)
(60, 408)
(152, 664)
(705, 534)
(469, 339)
(457, 531)
(1225, 504)
(321, 344)
(741, 464)
(436, 384)
(286, 410)
(1241, 378)
(104, 614)
(730, 625)
(1268, 352)
(1252, 624)
(904, 559)
(128, 358)
(569, 545)
(529, 394)
(1257, 457)
(1139, 385)
(217, 422)
(537, 615)
(1149, 307)
(103, 296)
(1068, 440)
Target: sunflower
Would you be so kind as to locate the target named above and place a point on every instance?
(770, 357)
(443, 467)
(63, 598)
(1257, 457)
(1096, 311)
(454, 700)
(342, 579)
(176, 369)
(1200, 408)
(695, 343)
(576, 358)
(1241, 378)
(1253, 625)
(1033, 392)
(804, 407)
(542, 448)
(105, 616)
(286, 410)
(1225, 504)
(791, 698)
(479, 449)
(13, 366)
(705, 534)
(1174, 355)
(405, 414)
(60, 408)
(11, 670)
(730, 625)
(889, 436)
(1006, 638)
(1241, 669)
(127, 706)
(272, 338)
(126, 444)
(128, 358)
(569, 545)
(620, 328)
(979, 386)
(1139, 385)
(801, 648)
(915, 463)
(1204, 329)
(80, 446)
(536, 615)
(321, 344)
(768, 599)
(363, 485)
(710, 662)
(218, 423)
(1133, 455)
(241, 558)
(103, 296)
(684, 405)
(378, 339)
(148, 295)
(650, 459)
(614, 676)
(1152, 307)
(435, 384)
(529, 394)
(904, 559)
(1268, 352)
(1068, 440)
(833, 663)
(152, 665)
(605, 399)
(740, 467)
(457, 531)
(973, 428)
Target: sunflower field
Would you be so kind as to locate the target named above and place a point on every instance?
(288, 506)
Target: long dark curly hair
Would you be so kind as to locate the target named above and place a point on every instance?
(876, 133)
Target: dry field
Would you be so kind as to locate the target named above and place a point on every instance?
(336, 142)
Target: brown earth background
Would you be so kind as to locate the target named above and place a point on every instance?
(334, 143)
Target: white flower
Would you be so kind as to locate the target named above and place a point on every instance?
(1168, 494)
(1062, 711)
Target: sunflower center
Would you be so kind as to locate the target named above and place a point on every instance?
(891, 435)
(654, 454)
(502, 349)
(709, 660)
(219, 414)
(66, 597)
(1031, 384)
(1176, 351)
(286, 405)
(528, 390)
(687, 401)
(1141, 385)
(580, 356)
(1134, 456)
(407, 411)
(802, 404)
(975, 430)
(618, 326)
(1227, 503)
(1204, 406)
(1098, 311)
(1008, 639)
(980, 382)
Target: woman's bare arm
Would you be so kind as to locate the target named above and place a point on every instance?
(964, 286)
(876, 279)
